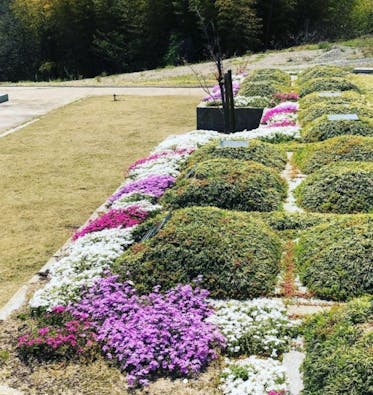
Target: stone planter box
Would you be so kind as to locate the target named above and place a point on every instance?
(3, 97)
(211, 118)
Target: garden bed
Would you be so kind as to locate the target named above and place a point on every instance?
(164, 292)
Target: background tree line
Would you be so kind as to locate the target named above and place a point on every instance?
(68, 39)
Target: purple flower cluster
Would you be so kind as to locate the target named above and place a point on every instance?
(215, 94)
(178, 152)
(151, 334)
(283, 108)
(115, 218)
(152, 185)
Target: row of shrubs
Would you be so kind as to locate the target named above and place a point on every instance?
(265, 83)
(334, 187)
(232, 178)
(315, 106)
(238, 253)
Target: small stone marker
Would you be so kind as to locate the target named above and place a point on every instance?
(233, 144)
(3, 97)
(343, 117)
(363, 70)
(330, 94)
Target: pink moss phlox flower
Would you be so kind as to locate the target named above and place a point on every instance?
(152, 185)
(276, 392)
(151, 334)
(283, 97)
(115, 218)
(178, 152)
(286, 107)
(62, 340)
(282, 123)
(215, 94)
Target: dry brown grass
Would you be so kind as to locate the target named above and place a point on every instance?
(56, 172)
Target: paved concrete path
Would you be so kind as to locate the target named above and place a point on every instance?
(27, 103)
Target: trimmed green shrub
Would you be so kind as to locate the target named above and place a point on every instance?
(322, 128)
(321, 72)
(327, 84)
(339, 357)
(334, 260)
(266, 88)
(279, 76)
(342, 187)
(317, 110)
(310, 157)
(228, 183)
(236, 255)
(257, 151)
(345, 98)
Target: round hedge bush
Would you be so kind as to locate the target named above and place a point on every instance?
(321, 72)
(327, 84)
(342, 187)
(236, 255)
(266, 88)
(228, 183)
(270, 75)
(311, 157)
(338, 358)
(309, 114)
(257, 151)
(345, 98)
(335, 260)
(322, 129)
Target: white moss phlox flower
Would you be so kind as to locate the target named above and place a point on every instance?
(253, 376)
(263, 321)
(84, 261)
(188, 140)
(145, 205)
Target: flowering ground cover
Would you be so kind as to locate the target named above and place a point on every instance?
(162, 293)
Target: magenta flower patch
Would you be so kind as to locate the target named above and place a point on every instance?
(115, 218)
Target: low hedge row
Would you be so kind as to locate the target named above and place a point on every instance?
(321, 72)
(341, 187)
(228, 183)
(236, 255)
(334, 260)
(327, 84)
(310, 157)
(276, 75)
(311, 113)
(345, 97)
(266, 88)
(322, 128)
(338, 344)
(257, 151)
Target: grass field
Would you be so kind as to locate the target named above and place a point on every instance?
(55, 173)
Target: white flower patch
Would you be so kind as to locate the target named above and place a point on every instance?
(188, 140)
(84, 261)
(253, 376)
(263, 131)
(145, 205)
(258, 326)
(163, 165)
